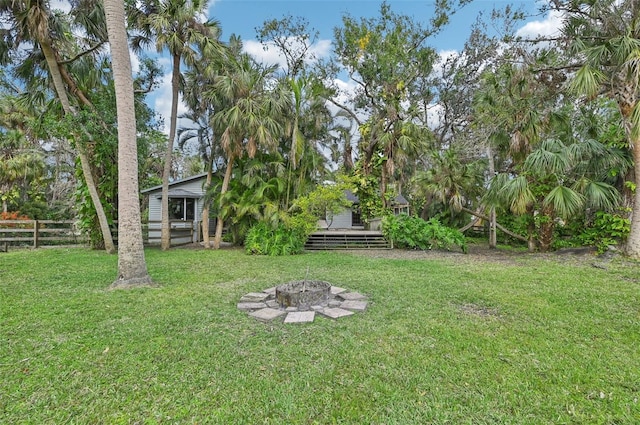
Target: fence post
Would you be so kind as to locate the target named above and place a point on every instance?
(35, 233)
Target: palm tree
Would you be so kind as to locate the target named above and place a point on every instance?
(132, 267)
(450, 182)
(200, 133)
(33, 21)
(174, 26)
(249, 117)
(511, 113)
(308, 122)
(255, 196)
(604, 40)
(558, 180)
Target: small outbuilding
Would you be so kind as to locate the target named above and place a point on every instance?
(351, 218)
(186, 201)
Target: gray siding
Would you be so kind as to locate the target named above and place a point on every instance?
(191, 185)
(194, 186)
(342, 220)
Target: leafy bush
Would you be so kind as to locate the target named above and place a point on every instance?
(289, 233)
(323, 202)
(13, 215)
(16, 216)
(263, 239)
(607, 229)
(415, 233)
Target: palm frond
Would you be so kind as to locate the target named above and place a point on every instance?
(601, 195)
(588, 81)
(564, 201)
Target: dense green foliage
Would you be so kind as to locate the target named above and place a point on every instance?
(287, 233)
(263, 239)
(537, 132)
(605, 230)
(416, 233)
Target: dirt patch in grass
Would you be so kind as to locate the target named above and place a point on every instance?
(479, 310)
(482, 253)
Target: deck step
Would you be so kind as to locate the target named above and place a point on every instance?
(328, 240)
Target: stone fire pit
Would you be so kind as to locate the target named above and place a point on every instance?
(299, 301)
(303, 294)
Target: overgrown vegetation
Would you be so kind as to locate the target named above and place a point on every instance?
(263, 239)
(415, 233)
(289, 233)
(528, 340)
(603, 231)
(538, 131)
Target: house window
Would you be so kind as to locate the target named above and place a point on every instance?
(182, 209)
(356, 217)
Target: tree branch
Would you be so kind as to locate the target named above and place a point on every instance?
(505, 230)
(79, 55)
(347, 110)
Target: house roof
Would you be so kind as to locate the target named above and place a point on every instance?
(185, 180)
(351, 197)
(400, 200)
(180, 193)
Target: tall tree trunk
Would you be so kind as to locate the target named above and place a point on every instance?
(165, 232)
(547, 225)
(383, 185)
(493, 237)
(531, 230)
(205, 210)
(633, 241)
(58, 83)
(225, 185)
(347, 155)
(132, 267)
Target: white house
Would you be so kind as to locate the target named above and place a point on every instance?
(186, 200)
(351, 219)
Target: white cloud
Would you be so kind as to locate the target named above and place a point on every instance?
(446, 54)
(443, 57)
(346, 90)
(62, 5)
(548, 27)
(162, 102)
(270, 55)
(267, 55)
(435, 115)
(321, 49)
(135, 61)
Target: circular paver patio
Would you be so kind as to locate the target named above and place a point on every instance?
(264, 306)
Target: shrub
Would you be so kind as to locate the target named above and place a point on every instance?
(607, 229)
(263, 239)
(15, 216)
(415, 233)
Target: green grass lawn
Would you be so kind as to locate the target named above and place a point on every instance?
(529, 341)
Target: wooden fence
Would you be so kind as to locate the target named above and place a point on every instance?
(38, 233)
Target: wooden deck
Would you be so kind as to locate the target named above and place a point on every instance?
(346, 239)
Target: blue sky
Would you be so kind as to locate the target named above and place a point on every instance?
(242, 17)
